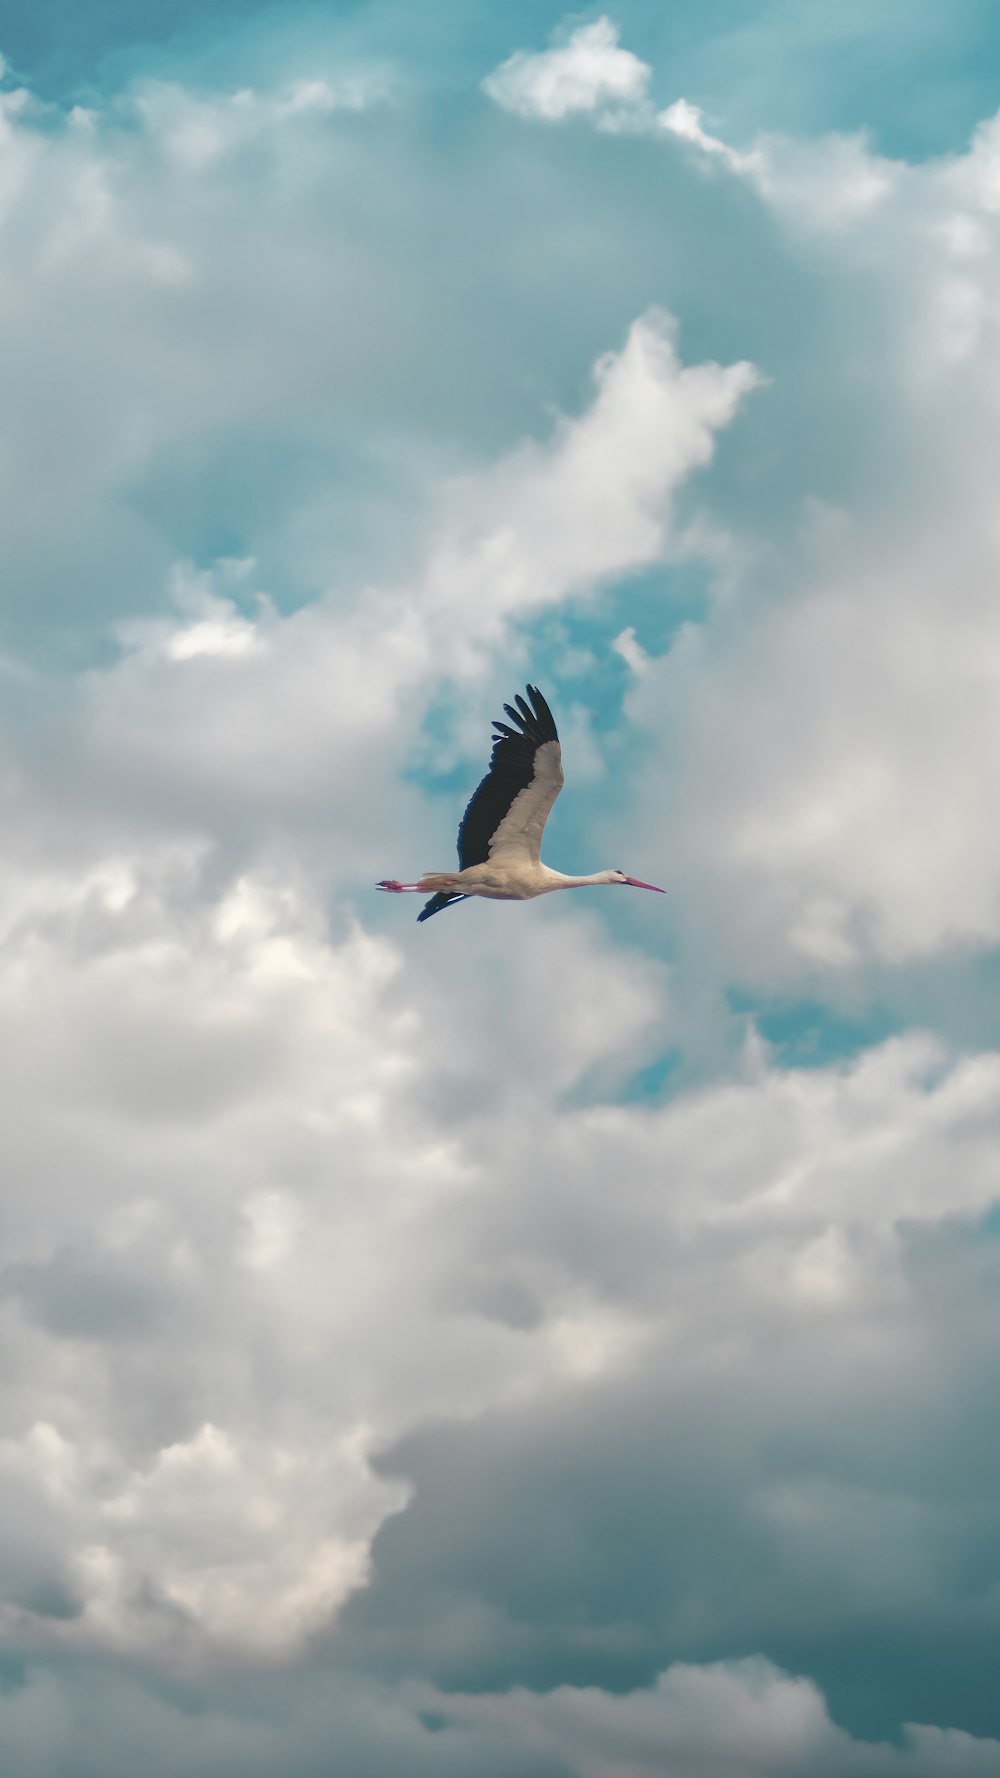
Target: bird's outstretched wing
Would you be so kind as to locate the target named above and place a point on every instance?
(511, 806)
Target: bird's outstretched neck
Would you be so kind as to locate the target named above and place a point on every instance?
(555, 879)
(584, 882)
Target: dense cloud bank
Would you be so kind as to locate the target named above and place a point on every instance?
(722, 1721)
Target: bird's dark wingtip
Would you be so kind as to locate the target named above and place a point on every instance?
(542, 714)
(437, 903)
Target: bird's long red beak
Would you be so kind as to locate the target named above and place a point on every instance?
(634, 883)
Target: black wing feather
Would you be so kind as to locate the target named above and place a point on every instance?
(512, 767)
(436, 903)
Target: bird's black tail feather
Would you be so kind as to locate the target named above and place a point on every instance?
(436, 903)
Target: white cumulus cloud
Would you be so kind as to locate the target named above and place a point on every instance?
(587, 72)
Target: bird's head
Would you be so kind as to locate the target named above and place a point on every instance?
(618, 876)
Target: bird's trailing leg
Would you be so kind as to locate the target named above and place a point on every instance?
(391, 887)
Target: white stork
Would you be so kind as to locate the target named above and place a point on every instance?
(500, 839)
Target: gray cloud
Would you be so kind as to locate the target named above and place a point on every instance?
(703, 1722)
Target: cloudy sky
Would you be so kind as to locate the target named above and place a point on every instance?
(558, 1341)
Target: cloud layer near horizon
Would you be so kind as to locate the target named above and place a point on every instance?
(480, 1349)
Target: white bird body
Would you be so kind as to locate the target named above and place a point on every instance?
(500, 838)
(508, 879)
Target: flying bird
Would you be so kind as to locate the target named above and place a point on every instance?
(500, 839)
